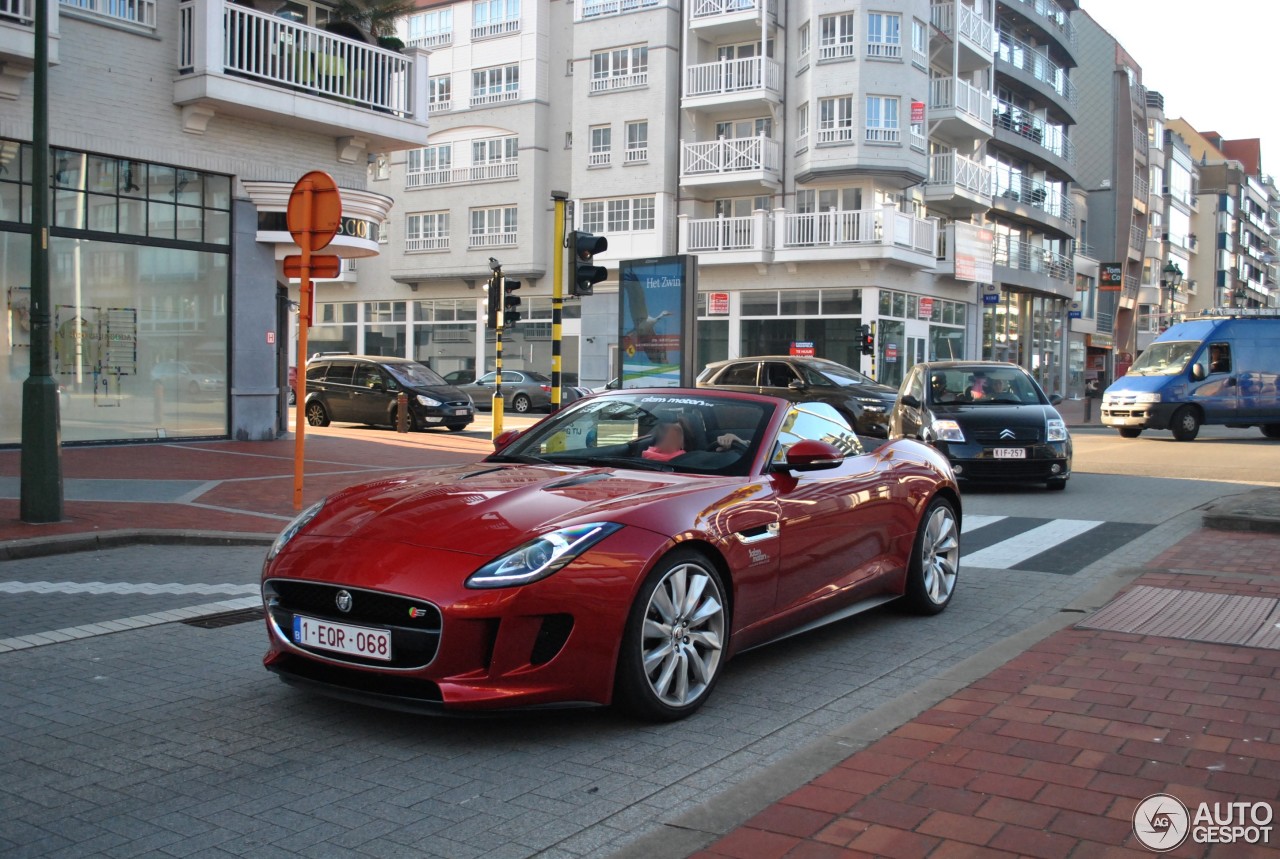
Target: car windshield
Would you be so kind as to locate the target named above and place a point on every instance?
(982, 386)
(840, 374)
(415, 375)
(650, 430)
(1164, 359)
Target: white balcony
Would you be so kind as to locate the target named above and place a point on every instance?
(865, 234)
(731, 84)
(731, 17)
(491, 240)
(434, 40)
(238, 61)
(607, 83)
(740, 164)
(957, 184)
(605, 8)
(492, 172)
(498, 96)
(496, 29)
(18, 42)
(958, 22)
(959, 110)
(426, 245)
(718, 241)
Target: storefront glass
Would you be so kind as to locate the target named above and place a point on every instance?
(827, 318)
(444, 334)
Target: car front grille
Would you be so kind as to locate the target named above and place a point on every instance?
(1020, 435)
(414, 624)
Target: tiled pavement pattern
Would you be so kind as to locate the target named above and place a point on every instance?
(1049, 755)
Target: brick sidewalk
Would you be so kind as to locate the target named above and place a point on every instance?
(1050, 754)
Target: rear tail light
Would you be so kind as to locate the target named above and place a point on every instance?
(546, 388)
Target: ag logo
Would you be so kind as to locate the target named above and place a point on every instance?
(1161, 822)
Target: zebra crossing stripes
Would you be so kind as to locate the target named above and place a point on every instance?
(1062, 546)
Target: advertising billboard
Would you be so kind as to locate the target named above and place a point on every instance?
(656, 318)
(974, 255)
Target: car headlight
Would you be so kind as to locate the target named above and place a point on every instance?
(1056, 430)
(947, 431)
(423, 399)
(1148, 397)
(541, 556)
(290, 531)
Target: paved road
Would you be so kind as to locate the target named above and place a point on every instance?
(170, 739)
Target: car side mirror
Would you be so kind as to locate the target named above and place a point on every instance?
(796, 385)
(910, 401)
(812, 455)
(1197, 372)
(1054, 399)
(505, 439)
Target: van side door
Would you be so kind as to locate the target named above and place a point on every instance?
(1218, 394)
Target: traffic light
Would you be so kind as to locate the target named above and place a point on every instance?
(491, 302)
(584, 274)
(867, 340)
(510, 303)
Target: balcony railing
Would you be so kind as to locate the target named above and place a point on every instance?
(1141, 189)
(1054, 16)
(134, 11)
(1038, 65)
(602, 8)
(1014, 253)
(952, 168)
(252, 44)
(432, 40)
(837, 49)
(882, 135)
(440, 106)
(1130, 286)
(843, 133)
(637, 154)
(600, 159)
(434, 243)
(712, 8)
(21, 11)
(1137, 237)
(885, 227)
(611, 82)
(972, 26)
(1034, 128)
(747, 233)
(963, 97)
(734, 155)
(1141, 141)
(733, 76)
(497, 97)
(1051, 201)
(879, 49)
(497, 28)
(491, 240)
(917, 140)
(462, 175)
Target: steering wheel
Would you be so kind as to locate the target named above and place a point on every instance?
(737, 445)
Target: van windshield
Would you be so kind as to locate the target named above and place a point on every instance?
(415, 375)
(1164, 359)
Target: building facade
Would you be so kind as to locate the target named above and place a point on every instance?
(177, 130)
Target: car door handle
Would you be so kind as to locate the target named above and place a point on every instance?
(758, 534)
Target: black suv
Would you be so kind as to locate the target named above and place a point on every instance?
(364, 389)
(861, 401)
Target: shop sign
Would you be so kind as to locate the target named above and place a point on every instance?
(974, 252)
(917, 112)
(1074, 311)
(1110, 276)
(990, 293)
(717, 303)
(802, 348)
(891, 353)
(926, 309)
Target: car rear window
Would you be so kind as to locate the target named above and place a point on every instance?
(340, 373)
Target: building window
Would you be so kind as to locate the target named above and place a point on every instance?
(428, 166)
(835, 40)
(498, 84)
(802, 127)
(593, 216)
(495, 150)
(439, 93)
(426, 231)
(623, 215)
(495, 18)
(920, 43)
(601, 146)
(835, 119)
(620, 68)
(882, 119)
(803, 39)
(431, 29)
(884, 36)
(637, 142)
(384, 232)
(493, 227)
(134, 11)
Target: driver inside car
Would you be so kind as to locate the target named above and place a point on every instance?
(668, 442)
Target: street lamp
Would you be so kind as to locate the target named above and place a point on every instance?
(1171, 281)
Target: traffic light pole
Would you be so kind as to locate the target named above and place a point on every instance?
(500, 296)
(874, 345)
(40, 492)
(557, 296)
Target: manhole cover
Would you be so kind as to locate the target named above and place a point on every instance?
(226, 618)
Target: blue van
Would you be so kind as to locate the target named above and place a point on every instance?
(1211, 370)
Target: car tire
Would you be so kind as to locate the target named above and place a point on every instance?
(662, 677)
(317, 414)
(935, 560)
(193, 389)
(1185, 424)
(520, 403)
(1057, 483)
(457, 427)
(293, 397)
(1130, 432)
(1271, 430)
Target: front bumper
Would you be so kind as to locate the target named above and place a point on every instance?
(448, 413)
(551, 643)
(975, 461)
(1138, 415)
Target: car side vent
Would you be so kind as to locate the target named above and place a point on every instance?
(551, 638)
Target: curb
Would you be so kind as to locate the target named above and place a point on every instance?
(38, 547)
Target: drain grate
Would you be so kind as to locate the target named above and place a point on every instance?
(226, 618)
(1192, 616)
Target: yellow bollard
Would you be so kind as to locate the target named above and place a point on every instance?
(497, 417)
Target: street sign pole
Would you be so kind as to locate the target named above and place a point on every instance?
(500, 284)
(306, 205)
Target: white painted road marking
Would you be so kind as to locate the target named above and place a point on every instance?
(1013, 551)
(105, 627)
(974, 521)
(123, 588)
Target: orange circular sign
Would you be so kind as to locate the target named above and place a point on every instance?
(315, 210)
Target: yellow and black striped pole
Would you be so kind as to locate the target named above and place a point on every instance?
(498, 294)
(557, 297)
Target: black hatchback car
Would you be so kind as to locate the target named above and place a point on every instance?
(365, 389)
(991, 420)
(861, 401)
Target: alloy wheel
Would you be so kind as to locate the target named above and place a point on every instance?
(940, 555)
(683, 635)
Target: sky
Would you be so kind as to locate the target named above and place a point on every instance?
(1214, 62)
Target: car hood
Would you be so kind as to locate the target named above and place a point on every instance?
(999, 416)
(1140, 384)
(445, 393)
(488, 508)
(880, 392)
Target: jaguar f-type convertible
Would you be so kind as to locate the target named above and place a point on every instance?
(618, 552)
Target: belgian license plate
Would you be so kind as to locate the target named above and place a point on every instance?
(1009, 452)
(461, 411)
(342, 637)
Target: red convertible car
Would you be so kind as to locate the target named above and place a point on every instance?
(617, 552)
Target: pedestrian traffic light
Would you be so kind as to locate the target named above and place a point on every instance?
(867, 340)
(584, 274)
(510, 303)
(491, 302)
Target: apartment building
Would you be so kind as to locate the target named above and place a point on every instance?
(828, 166)
(177, 130)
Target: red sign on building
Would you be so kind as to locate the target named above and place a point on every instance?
(926, 309)
(917, 112)
(717, 303)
